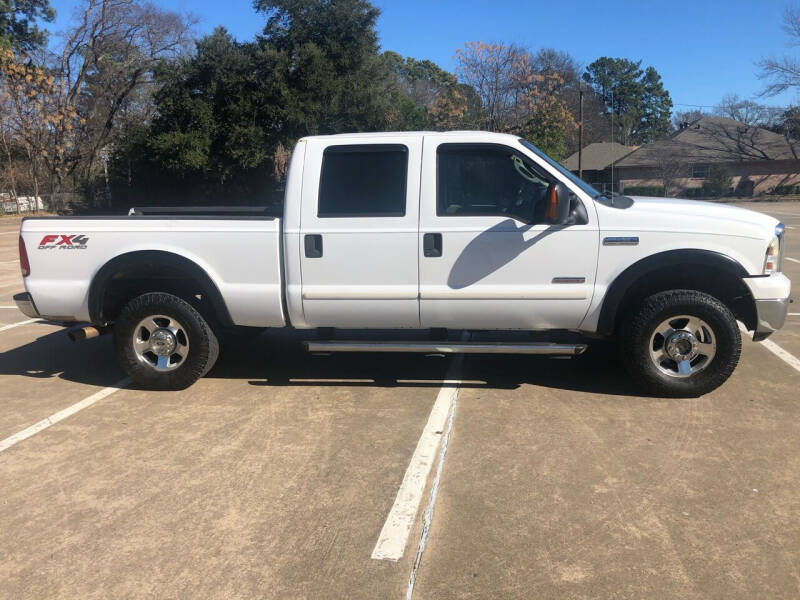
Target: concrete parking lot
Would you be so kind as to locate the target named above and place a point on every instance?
(273, 477)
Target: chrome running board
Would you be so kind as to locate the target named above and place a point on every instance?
(449, 347)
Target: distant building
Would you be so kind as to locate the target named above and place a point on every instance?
(597, 162)
(759, 161)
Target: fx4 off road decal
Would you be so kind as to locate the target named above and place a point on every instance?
(64, 242)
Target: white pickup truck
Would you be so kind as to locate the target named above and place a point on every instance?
(471, 231)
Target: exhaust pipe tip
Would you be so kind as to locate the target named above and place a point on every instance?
(78, 334)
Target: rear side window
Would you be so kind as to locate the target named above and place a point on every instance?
(363, 181)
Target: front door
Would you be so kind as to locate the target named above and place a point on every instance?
(358, 233)
(487, 258)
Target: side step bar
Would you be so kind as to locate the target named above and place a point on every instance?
(449, 347)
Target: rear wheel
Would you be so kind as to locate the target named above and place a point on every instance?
(680, 343)
(163, 343)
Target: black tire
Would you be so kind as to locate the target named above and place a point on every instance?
(635, 336)
(203, 347)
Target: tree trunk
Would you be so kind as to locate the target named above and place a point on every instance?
(35, 178)
(11, 175)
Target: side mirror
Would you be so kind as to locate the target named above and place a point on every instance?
(557, 211)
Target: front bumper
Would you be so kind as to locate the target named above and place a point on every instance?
(771, 315)
(26, 306)
(771, 296)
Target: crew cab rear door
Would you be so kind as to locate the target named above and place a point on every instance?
(358, 232)
(488, 260)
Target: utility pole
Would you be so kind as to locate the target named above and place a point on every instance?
(580, 138)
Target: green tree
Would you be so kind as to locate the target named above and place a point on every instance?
(719, 180)
(18, 24)
(335, 79)
(428, 97)
(641, 107)
(225, 116)
(215, 128)
(655, 108)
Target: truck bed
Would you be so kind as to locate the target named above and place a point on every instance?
(240, 253)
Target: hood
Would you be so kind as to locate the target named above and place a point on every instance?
(688, 216)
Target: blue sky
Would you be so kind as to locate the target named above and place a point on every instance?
(703, 49)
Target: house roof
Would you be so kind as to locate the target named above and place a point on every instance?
(715, 140)
(598, 156)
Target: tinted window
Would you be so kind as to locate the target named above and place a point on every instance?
(363, 181)
(477, 179)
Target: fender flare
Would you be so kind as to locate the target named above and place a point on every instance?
(154, 258)
(670, 258)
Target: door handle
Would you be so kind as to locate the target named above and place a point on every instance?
(432, 244)
(313, 244)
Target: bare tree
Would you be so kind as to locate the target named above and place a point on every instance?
(66, 105)
(747, 111)
(682, 118)
(783, 73)
(107, 60)
(671, 165)
(516, 95)
(735, 142)
(493, 71)
(557, 62)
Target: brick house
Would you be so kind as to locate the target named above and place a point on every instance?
(597, 162)
(758, 160)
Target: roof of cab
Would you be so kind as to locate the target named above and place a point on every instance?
(410, 134)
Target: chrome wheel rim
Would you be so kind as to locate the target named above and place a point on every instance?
(683, 345)
(160, 342)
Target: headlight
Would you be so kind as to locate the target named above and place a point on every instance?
(773, 258)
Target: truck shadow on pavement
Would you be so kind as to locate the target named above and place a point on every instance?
(279, 359)
(54, 355)
(273, 362)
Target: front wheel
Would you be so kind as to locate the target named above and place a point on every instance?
(163, 343)
(680, 343)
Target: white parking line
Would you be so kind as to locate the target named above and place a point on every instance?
(787, 357)
(61, 415)
(791, 259)
(8, 306)
(18, 324)
(428, 517)
(393, 537)
(9, 232)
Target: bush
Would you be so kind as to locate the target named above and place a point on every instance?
(785, 190)
(719, 182)
(700, 192)
(643, 190)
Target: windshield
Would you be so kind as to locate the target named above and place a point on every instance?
(593, 193)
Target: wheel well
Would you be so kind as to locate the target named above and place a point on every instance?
(704, 271)
(130, 275)
(724, 286)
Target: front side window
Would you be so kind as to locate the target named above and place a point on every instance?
(363, 181)
(484, 179)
